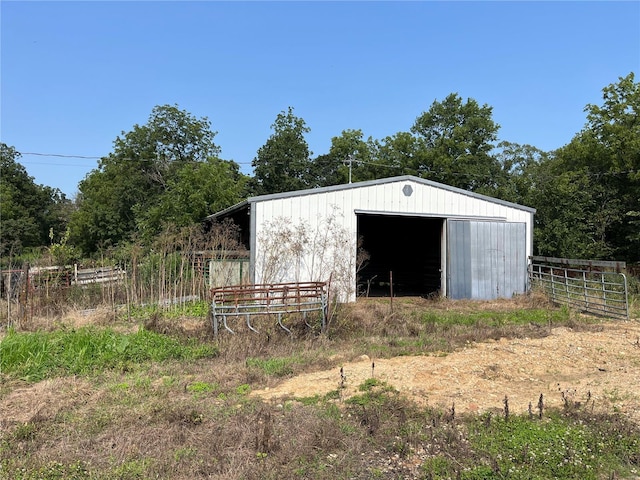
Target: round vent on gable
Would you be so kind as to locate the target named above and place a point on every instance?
(407, 190)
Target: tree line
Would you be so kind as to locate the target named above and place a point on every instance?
(168, 174)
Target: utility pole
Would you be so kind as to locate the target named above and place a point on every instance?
(350, 162)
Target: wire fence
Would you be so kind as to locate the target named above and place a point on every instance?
(164, 282)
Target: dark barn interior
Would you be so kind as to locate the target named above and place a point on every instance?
(240, 219)
(407, 246)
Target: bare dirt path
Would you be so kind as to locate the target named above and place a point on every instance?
(604, 364)
(602, 367)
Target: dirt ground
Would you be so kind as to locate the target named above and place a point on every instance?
(600, 369)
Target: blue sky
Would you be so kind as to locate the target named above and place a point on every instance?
(74, 75)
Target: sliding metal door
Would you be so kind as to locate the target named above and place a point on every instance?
(485, 260)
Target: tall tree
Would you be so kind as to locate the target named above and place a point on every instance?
(563, 224)
(397, 154)
(607, 153)
(197, 190)
(519, 171)
(350, 157)
(455, 139)
(31, 215)
(283, 162)
(118, 198)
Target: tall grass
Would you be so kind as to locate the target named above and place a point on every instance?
(37, 355)
(174, 269)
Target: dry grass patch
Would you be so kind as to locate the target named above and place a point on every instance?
(23, 403)
(197, 419)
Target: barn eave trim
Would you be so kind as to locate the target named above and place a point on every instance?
(230, 210)
(430, 215)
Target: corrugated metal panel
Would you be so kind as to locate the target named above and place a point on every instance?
(459, 256)
(389, 197)
(426, 198)
(387, 181)
(439, 197)
(515, 264)
(486, 260)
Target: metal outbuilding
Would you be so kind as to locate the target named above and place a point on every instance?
(403, 234)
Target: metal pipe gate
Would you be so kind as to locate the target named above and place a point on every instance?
(595, 287)
(252, 301)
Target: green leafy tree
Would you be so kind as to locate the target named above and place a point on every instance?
(397, 154)
(349, 151)
(126, 191)
(325, 171)
(283, 162)
(197, 190)
(607, 153)
(519, 168)
(563, 205)
(28, 212)
(455, 139)
(105, 206)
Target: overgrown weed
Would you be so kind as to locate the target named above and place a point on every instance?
(181, 415)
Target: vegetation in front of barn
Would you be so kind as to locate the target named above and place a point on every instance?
(164, 400)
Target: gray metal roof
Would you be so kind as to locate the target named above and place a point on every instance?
(231, 209)
(368, 183)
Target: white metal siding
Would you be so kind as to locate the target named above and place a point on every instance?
(312, 208)
(389, 198)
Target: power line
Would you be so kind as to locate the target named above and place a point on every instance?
(482, 175)
(348, 162)
(87, 157)
(60, 155)
(54, 164)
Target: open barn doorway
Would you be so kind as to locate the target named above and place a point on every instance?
(408, 246)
